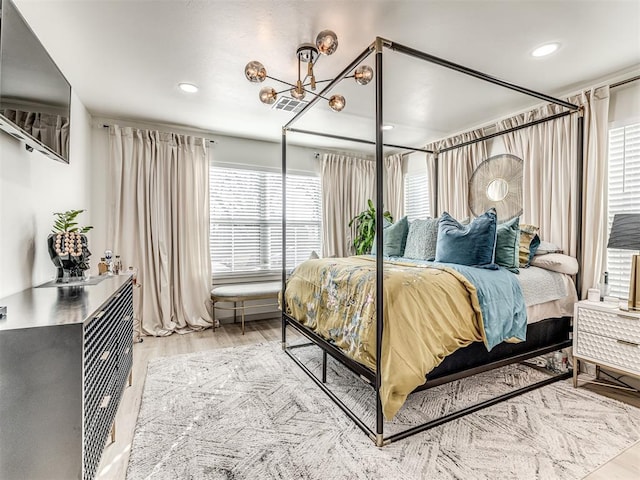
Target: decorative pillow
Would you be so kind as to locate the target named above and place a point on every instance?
(556, 262)
(394, 238)
(546, 247)
(529, 242)
(421, 239)
(473, 244)
(508, 244)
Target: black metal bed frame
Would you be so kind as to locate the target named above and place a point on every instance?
(374, 378)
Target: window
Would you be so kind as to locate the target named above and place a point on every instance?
(416, 196)
(246, 220)
(624, 197)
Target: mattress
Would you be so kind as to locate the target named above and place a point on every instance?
(547, 294)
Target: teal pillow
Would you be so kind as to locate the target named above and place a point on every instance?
(508, 244)
(394, 238)
(473, 244)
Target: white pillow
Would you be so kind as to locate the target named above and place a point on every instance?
(556, 262)
(546, 247)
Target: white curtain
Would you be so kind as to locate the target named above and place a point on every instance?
(455, 168)
(549, 153)
(393, 187)
(347, 184)
(159, 223)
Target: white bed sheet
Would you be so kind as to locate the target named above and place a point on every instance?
(560, 307)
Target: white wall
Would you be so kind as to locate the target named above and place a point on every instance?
(32, 188)
(624, 103)
(261, 154)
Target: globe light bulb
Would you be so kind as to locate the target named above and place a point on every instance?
(337, 103)
(268, 95)
(255, 72)
(327, 42)
(363, 74)
(298, 95)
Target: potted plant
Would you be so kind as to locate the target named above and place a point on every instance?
(365, 223)
(67, 246)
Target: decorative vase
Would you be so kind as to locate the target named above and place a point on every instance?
(69, 253)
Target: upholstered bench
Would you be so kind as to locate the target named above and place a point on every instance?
(242, 292)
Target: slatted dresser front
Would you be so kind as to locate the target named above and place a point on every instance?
(65, 358)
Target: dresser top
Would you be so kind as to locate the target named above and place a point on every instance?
(48, 306)
(607, 307)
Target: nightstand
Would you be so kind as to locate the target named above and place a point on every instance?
(607, 337)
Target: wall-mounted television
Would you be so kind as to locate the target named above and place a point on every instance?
(35, 97)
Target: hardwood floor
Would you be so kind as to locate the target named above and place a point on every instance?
(116, 455)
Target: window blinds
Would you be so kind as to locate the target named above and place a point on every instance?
(246, 220)
(624, 197)
(416, 196)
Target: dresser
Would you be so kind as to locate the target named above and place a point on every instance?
(607, 337)
(65, 359)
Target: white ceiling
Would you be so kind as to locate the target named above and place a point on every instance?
(124, 59)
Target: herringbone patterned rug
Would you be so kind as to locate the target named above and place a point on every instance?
(251, 413)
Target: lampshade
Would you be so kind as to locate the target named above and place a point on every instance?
(625, 232)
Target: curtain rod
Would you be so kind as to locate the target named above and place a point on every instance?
(104, 125)
(624, 82)
(519, 127)
(509, 130)
(317, 154)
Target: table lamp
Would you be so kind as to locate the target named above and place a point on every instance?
(625, 235)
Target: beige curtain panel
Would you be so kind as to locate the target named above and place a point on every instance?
(347, 184)
(159, 223)
(455, 168)
(393, 187)
(550, 198)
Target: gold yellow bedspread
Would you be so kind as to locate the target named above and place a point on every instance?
(429, 312)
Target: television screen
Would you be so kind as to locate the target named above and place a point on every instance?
(35, 97)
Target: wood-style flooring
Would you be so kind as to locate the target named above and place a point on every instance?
(116, 455)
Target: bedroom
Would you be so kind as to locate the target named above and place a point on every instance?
(128, 75)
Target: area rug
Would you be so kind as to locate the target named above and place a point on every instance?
(251, 413)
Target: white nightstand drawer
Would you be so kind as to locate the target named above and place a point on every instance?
(614, 323)
(605, 350)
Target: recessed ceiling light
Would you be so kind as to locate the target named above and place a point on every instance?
(188, 87)
(387, 127)
(546, 49)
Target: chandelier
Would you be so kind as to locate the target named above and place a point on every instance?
(326, 44)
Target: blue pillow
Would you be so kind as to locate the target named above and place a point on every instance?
(473, 244)
(394, 238)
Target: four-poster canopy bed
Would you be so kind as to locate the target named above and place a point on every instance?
(470, 356)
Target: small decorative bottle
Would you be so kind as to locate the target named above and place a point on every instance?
(108, 257)
(117, 265)
(102, 266)
(604, 286)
